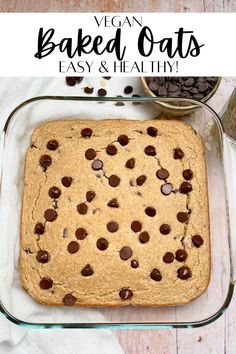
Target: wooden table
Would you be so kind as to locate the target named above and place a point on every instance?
(219, 337)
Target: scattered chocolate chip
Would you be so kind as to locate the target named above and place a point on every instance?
(52, 144)
(134, 263)
(79, 79)
(66, 181)
(126, 294)
(102, 92)
(152, 131)
(54, 192)
(168, 257)
(181, 255)
(128, 90)
(88, 90)
(111, 149)
(185, 187)
(112, 226)
(97, 165)
(164, 229)
(125, 253)
(113, 203)
(69, 300)
(106, 77)
(46, 283)
(166, 188)
(80, 233)
(150, 150)
(188, 174)
(182, 216)
(155, 275)
(144, 237)
(71, 80)
(45, 161)
(50, 215)
(73, 247)
(184, 273)
(43, 256)
(87, 271)
(114, 181)
(86, 132)
(130, 163)
(102, 244)
(82, 208)
(39, 229)
(90, 154)
(123, 140)
(140, 180)
(150, 211)
(178, 154)
(90, 195)
(162, 173)
(197, 241)
(136, 226)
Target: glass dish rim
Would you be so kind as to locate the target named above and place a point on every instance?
(130, 325)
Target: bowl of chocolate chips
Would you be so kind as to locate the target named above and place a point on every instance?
(177, 88)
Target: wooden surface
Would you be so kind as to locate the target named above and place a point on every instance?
(219, 337)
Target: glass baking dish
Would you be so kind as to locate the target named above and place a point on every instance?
(15, 139)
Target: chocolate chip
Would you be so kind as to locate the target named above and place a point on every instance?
(168, 257)
(126, 294)
(87, 271)
(125, 253)
(69, 300)
(134, 263)
(97, 165)
(152, 131)
(45, 161)
(150, 150)
(150, 211)
(144, 237)
(185, 187)
(43, 256)
(128, 90)
(112, 226)
(46, 283)
(136, 226)
(182, 216)
(90, 195)
(197, 241)
(39, 229)
(66, 181)
(71, 80)
(113, 203)
(52, 144)
(181, 255)
(50, 215)
(123, 140)
(106, 77)
(130, 163)
(164, 229)
(140, 180)
(184, 273)
(81, 233)
(188, 174)
(86, 132)
(90, 154)
(178, 154)
(166, 188)
(114, 180)
(88, 90)
(102, 92)
(82, 208)
(162, 173)
(54, 192)
(102, 244)
(73, 247)
(155, 275)
(79, 79)
(111, 149)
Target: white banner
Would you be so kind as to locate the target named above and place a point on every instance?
(98, 44)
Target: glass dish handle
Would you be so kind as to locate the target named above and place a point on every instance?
(230, 168)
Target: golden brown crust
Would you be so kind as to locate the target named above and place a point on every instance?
(111, 274)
